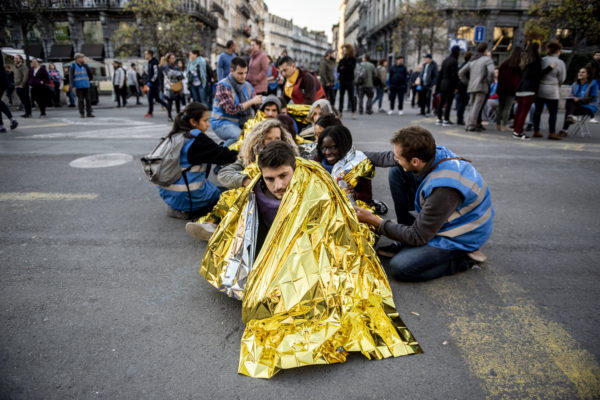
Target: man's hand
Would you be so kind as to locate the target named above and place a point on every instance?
(367, 216)
(349, 189)
(257, 100)
(246, 182)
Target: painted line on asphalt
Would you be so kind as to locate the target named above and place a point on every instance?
(510, 346)
(34, 196)
(50, 125)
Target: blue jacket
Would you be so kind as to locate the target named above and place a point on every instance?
(80, 76)
(219, 116)
(470, 226)
(203, 192)
(589, 91)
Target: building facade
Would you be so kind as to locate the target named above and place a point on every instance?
(382, 36)
(305, 46)
(69, 26)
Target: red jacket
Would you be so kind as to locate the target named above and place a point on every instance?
(257, 71)
(307, 89)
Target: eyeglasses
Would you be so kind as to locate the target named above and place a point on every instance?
(324, 149)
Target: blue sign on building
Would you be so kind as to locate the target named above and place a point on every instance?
(479, 34)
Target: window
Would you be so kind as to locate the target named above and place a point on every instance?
(503, 38)
(92, 32)
(62, 33)
(466, 32)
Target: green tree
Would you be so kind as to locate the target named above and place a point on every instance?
(160, 24)
(420, 27)
(28, 14)
(580, 17)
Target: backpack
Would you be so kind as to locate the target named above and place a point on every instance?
(360, 74)
(162, 166)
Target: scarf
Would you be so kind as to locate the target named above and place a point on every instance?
(198, 65)
(246, 114)
(290, 82)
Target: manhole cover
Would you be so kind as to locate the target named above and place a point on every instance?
(101, 160)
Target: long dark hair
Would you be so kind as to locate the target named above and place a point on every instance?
(514, 60)
(532, 53)
(340, 135)
(194, 111)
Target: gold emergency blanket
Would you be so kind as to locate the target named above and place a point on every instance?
(317, 290)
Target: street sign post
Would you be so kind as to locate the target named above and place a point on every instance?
(479, 34)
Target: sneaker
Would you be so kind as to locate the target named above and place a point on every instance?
(529, 128)
(477, 256)
(593, 121)
(71, 105)
(571, 119)
(90, 115)
(26, 116)
(200, 231)
(447, 123)
(14, 124)
(472, 129)
(148, 115)
(391, 112)
(563, 133)
(480, 127)
(2, 129)
(520, 136)
(554, 136)
(439, 122)
(82, 115)
(390, 250)
(400, 112)
(380, 207)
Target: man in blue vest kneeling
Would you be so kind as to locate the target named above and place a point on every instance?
(233, 103)
(452, 201)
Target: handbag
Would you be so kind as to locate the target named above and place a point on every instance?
(146, 88)
(66, 88)
(177, 87)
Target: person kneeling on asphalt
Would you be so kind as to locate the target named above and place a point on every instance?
(453, 204)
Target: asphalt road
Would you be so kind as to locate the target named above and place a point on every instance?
(100, 296)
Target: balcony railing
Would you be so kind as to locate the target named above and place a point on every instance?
(486, 4)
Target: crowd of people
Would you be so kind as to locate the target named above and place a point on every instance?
(285, 208)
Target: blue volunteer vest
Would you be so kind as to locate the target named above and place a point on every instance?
(470, 226)
(219, 116)
(81, 79)
(202, 190)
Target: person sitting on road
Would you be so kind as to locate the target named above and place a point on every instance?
(300, 86)
(349, 168)
(242, 171)
(318, 108)
(234, 100)
(583, 99)
(312, 290)
(198, 195)
(453, 202)
(271, 107)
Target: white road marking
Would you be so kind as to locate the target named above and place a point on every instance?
(101, 160)
(32, 196)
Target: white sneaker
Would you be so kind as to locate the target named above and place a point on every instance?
(400, 112)
(391, 112)
(200, 231)
(593, 121)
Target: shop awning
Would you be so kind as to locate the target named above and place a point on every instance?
(93, 50)
(61, 52)
(35, 50)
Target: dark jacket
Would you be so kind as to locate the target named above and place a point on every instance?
(3, 76)
(346, 70)
(508, 79)
(448, 76)
(40, 78)
(595, 67)
(532, 74)
(398, 76)
(432, 75)
(153, 75)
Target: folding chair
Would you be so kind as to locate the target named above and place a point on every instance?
(579, 127)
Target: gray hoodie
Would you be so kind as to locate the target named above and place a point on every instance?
(550, 83)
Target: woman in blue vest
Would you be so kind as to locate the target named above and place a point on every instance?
(583, 99)
(198, 195)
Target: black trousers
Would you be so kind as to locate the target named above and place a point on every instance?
(121, 93)
(352, 99)
(84, 95)
(23, 94)
(572, 108)
(445, 100)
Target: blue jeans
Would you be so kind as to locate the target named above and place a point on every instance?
(424, 263)
(378, 96)
(403, 186)
(198, 93)
(71, 97)
(229, 133)
(462, 99)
